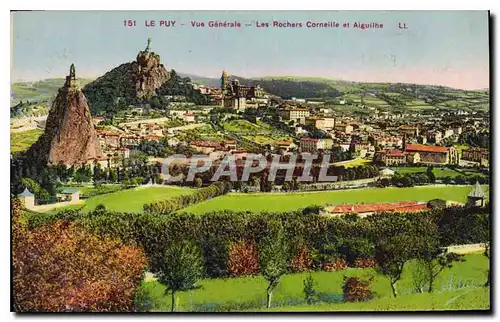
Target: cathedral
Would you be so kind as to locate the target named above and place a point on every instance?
(235, 95)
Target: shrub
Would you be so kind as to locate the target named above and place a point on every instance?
(302, 261)
(365, 263)
(61, 267)
(143, 301)
(243, 259)
(337, 265)
(357, 289)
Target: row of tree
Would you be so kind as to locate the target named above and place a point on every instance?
(183, 248)
(348, 237)
(175, 203)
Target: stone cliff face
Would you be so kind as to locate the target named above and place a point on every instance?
(69, 136)
(130, 83)
(149, 74)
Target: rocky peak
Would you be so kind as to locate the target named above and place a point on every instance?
(134, 82)
(69, 136)
(149, 73)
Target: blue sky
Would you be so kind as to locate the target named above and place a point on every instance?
(444, 48)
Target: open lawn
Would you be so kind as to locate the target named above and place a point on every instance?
(277, 202)
(21, 141)
(243, 127)
(459, 287)
(132, 200)
(462, 299)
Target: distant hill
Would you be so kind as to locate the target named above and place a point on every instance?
(283, 86)
(42, 91)
(28, 109)
(103, 92)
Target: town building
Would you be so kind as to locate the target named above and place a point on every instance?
(311, 145)
(344, 128)
(477, 197)
(360, 149)
(386, 173)
(208, 147)
(434, 137)
(322, 123)
(408, 130)
(286, 146)
(68, 194)
(479, 155)
(235, 95)
(364, 210)
(295, 114)
(27, 199)
(189, 117)
(391, 157)
(430, 154)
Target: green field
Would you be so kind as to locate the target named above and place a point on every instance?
(43, 90)
(457, 288)
(277, 202)
(243, 127)
(21, 141)
(132, 200)
(464, 299)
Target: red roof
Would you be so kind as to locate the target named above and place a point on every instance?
(402, 206)
(284, 143)
(394, 153)
(426, 148)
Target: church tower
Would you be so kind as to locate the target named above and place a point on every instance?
(224, 80)
(224, 83)
(71, 78)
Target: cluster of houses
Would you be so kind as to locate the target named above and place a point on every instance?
(391, 143)
(475, 198)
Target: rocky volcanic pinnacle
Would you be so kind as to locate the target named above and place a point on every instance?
(130, 83)
(69, 136)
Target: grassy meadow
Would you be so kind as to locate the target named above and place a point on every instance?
(277, 202)
(21, 141)
(459, 287)
(132, 200)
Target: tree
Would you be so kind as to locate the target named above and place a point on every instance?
(61, 267)
(273, 260)
(82, 175)
(430, 174)
(391, 255)
(198, 183)
(309, 291)
(433, 262)
(181, 268)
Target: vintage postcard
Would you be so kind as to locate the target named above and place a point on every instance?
(250, 161)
